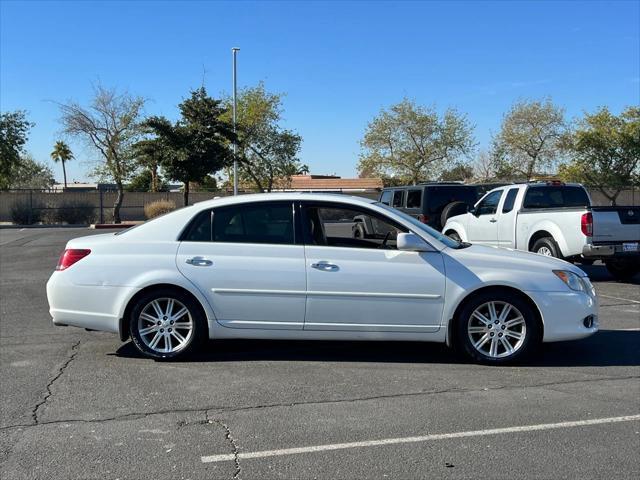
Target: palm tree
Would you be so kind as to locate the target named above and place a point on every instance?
(62, 153)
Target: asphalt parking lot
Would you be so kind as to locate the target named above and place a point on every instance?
(78, 404)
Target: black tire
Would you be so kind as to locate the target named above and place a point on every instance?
(545, 244)
(199, 329)
(623, 270)
(453, 235)
(532, 332)
(451, 210)
(358, 230)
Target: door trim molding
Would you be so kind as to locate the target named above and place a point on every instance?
(314, 293)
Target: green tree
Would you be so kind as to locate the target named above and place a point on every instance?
(414, 142)
(458, 173)
(530, 139)
(31, 174)
(605, 151)
(62, 153)
(14, 133)
(198, 143)
(144, 182)
(267, 153)
(150, 154)
(110, 125)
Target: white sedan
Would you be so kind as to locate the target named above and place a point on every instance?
(301, 266)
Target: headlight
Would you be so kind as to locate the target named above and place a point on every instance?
(573, 281)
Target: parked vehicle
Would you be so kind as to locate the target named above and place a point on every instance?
(287, 266)
(432, 203)
(553, 219)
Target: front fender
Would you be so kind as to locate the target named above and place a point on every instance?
(457, 227)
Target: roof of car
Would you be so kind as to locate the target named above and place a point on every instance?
(262, 197)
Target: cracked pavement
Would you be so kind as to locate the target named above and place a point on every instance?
(78, 404)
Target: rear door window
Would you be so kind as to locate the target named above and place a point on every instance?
(414, 198)
(398, 198)
(270, 222)
(510, 200)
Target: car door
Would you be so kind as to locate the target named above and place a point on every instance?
(363, 283)
(483, 223)
(507, 219)
(247, 261)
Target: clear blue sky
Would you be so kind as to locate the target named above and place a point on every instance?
(339, 63)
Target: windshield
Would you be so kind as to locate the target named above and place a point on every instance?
(449, 242)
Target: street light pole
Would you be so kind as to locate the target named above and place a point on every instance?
(234, 51)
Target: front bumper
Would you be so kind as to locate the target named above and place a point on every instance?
(564, 314)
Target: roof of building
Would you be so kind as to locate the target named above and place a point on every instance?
(327, 182)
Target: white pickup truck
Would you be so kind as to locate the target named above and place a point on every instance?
(555, 219)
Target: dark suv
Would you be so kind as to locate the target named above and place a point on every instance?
(433, 203)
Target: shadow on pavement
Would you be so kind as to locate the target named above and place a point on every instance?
(599, 273)
(606, 348)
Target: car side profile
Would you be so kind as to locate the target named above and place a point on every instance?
(291, 266)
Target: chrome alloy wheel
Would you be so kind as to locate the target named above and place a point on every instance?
(497, 329)
(165, 325)
(546, 251)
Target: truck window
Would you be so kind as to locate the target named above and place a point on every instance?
(555, 197)
(489, 204)
(509, 200)
(398, 197)
(386, 197)
(414, 198)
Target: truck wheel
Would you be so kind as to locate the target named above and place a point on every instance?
(453, 235)
(546, 246)
(451, 210)
(623, 270)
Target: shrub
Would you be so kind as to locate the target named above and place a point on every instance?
(22, 213)
(74, 213)
(157, 208)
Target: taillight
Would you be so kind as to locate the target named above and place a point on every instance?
(586, 224)
(423, 218)
(71, 256)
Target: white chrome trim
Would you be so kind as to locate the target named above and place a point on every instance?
(248, 291)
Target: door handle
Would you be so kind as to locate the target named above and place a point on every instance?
(325, 267)
(199, 262)
(493, 220)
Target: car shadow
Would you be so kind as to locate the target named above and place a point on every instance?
(599, 273)
(604, 349)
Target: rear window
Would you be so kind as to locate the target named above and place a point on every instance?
(555, 197)
(414, 198)
(386, 197)
(439, 197)
(398, 197)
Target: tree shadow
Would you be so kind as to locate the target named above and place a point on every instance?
(604, 349)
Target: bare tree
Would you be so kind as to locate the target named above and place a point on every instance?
(110, 126)
(484, 166)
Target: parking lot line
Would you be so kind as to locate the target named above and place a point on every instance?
(618, 298)
(225, 457)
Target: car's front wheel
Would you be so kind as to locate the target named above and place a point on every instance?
(166, 324)
(497, 328)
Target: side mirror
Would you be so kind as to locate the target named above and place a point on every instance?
(411, 242)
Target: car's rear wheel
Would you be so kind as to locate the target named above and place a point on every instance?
(167, 324)
(497, 328)
(546, 246)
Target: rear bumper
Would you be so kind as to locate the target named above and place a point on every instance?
(607, 251)
(96, 307)
(564, 313)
